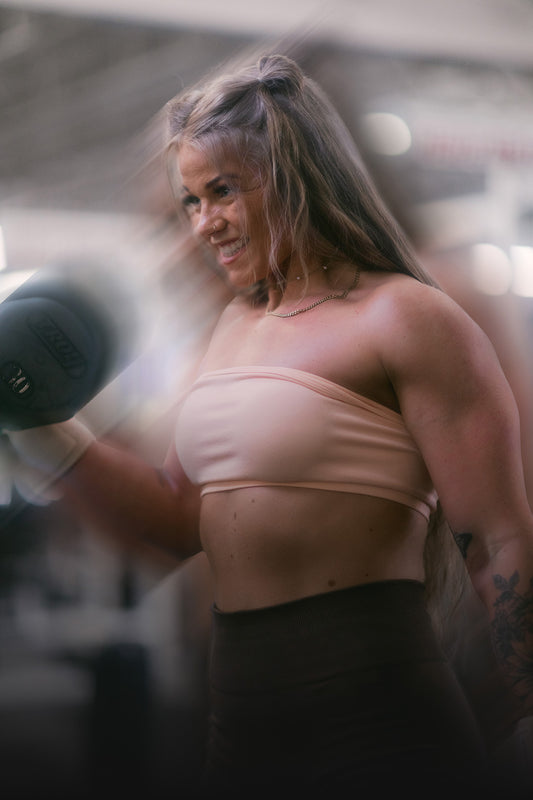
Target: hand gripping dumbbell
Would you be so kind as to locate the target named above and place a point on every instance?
(63, 336)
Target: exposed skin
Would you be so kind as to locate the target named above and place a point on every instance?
(394, 340)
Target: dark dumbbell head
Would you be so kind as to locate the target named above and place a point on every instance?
(63, 336)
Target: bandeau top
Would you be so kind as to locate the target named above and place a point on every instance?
(277, 426)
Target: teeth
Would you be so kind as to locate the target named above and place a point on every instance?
(230, 249)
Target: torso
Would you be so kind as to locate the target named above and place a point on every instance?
(268, 545)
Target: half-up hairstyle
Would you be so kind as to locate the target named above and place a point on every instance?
(315, 188)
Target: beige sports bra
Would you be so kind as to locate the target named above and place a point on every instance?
(277, 426)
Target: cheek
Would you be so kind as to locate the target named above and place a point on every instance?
(191, 220)
(257, 228)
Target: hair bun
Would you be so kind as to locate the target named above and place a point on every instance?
(280, 75)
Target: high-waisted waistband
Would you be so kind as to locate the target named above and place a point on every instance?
(360, 627)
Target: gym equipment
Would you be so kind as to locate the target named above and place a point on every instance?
(64, 334)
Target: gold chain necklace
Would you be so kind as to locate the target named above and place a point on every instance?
(342, 296)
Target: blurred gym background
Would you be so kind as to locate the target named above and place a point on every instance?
(102, 659)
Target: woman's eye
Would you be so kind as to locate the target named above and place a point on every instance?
(222, 190)
(189, 202)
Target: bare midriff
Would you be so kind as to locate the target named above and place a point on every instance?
(269, 545)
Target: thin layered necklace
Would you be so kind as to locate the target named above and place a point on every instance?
(335, 296)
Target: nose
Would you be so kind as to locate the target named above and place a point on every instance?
(209, 221)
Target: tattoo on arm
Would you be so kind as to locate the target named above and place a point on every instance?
(462, 541)
(512, 631)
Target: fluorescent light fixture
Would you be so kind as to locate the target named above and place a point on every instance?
(9, 281)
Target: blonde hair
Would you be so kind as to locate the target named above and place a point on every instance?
(316, 191)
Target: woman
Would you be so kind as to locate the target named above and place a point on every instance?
(341, 395)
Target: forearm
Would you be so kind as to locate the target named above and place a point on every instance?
(138, 506)
(503, 579)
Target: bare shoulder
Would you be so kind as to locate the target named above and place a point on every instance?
(229, 332)
(407, 301)
(417, 322)
(233, 312)
(440, 363)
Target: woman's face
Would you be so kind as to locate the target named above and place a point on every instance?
(225, 206)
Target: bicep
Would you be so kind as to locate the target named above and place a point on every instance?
(460, 410)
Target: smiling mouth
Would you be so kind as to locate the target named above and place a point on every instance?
(231, 249)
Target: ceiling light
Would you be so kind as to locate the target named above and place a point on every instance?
(386, 134)
(491, 269)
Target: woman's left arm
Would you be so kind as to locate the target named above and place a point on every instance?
(460, 410)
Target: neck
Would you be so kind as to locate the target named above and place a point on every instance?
(299, 289)
(297, 285)
(299, 275)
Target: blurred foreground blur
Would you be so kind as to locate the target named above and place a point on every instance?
(102, 659)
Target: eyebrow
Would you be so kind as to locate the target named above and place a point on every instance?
(213, 181)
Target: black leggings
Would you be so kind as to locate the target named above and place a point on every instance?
(336, 694)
